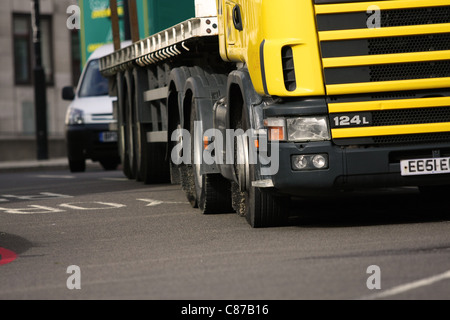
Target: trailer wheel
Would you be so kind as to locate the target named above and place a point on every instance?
(187, 172)
(142, 154)
(174, 127)
(213, 192)
(122, 151)
(261, 208)
(122, 143)
(179, 173)
(126, 141)
(130, 138)
(175, 171)
(187, 184)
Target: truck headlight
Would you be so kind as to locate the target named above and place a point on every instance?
(75, 117)
(306, 129)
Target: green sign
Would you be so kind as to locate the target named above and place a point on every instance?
(153, 16)
(162, 14)
(96, 29)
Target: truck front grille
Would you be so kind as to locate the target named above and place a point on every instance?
(420, 43)
(404, 140)
(386, 45)
(412, 139)
(411, 116)
(386, 48)
(388, 72)
(416, 16)
(388, 18)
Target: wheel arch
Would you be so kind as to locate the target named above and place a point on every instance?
(242, 95)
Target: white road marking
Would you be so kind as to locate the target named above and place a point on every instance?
(105, 206)
(410, 286)
(43, 176)
(31, 210)
(114, 179)
(153, 203)
(55, 195)
(40, 196)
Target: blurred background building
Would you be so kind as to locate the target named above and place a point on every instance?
(61, 59)
(64, 52)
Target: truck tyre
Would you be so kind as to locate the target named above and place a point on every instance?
(148, 169)
(154, 167)
(130, 139)
(151, 164)
(180, 174)
(213, 192)
(174, 126)
(187, 174)
(175, 171)
(122, 151)
(261, 208)
(122, 124)
(186, 170)
(264, 209)
(158, 166)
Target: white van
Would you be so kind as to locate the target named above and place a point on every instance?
(89, 116)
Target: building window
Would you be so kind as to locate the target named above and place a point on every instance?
(24, 52)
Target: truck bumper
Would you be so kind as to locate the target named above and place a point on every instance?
(354, 167)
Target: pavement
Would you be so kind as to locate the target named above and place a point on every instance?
(33, 165)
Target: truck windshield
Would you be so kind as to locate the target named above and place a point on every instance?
(94, 84)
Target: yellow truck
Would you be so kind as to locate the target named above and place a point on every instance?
(252, 102)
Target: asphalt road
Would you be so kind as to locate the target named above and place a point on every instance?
(130, 241)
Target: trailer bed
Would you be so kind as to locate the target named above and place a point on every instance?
(161, 46)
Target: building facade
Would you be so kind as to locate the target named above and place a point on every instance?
(61, 60)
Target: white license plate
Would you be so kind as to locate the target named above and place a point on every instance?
(109, 136)
(419, 167)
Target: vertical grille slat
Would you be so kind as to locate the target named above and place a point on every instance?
(289, 68)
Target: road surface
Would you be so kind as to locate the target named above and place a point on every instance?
(99, 236)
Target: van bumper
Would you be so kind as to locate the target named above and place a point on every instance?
(87, 142)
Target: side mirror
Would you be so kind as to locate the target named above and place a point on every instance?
(68, 93)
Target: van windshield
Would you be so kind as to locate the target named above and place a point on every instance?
(94, 84)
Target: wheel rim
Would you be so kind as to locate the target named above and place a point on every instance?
(197, 157)
(177, 157)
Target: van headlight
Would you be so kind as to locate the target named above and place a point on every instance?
(306, 129)
(75, 117)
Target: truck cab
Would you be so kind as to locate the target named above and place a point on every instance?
(329, 95)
